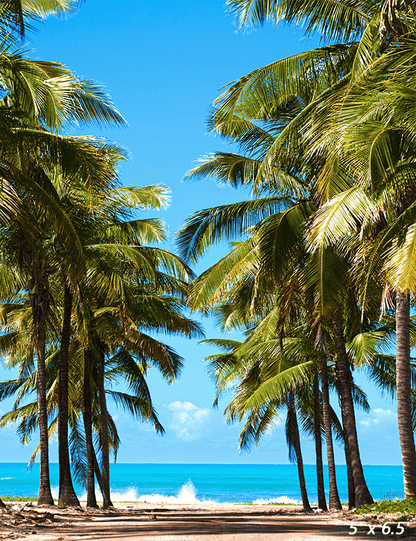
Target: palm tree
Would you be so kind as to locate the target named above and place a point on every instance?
(109, 240)
(38, 95)
(245, 374)
(389, 21)
(334, 501)
(235, 287)
(267, 130)
(236, 110)
(150, 297)
(369, 200)
(107, 244)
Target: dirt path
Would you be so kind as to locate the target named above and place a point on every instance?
(168, 522)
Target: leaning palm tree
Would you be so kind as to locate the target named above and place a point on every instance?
(267, 129)
(118, 261)
(128, 292)
(378, 157)
(380, 74)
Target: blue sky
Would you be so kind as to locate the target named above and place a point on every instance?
(163, 63)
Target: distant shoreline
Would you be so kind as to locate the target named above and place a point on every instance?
(213, 464)
(201, 483)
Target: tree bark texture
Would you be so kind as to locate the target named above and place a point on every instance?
(403, 393)
(98, 474)
(298, 452)
(45, 493)
(334, 501)
(362, 494)
(67, 496)
(104, 433)
(39, 298)
(350, 477)
(318, 445)
(91, 499)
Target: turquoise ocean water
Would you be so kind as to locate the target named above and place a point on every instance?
(193, 483)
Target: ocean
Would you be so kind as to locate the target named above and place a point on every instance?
(197, 483)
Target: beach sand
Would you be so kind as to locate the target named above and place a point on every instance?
(196, 522)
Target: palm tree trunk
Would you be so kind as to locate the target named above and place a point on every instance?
(45, 494)
(295, 440)
(98, 474)
(348, 462)
(104, 434)
(39, 299)
(91, 499)
(334, 501)
(362, 494)
(350, 477)
(403, 392)
(67, 494)
(318, 444)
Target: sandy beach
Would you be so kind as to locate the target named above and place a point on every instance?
(169, 522)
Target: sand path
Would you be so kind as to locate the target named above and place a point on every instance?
(176, 522)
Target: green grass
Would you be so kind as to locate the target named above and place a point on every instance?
(406, 507)
(18, 499)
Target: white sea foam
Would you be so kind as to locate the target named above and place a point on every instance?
(186, 495)
(5, 478)
(280, 499)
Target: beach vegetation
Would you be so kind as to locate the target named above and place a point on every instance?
(326, 145)
(18, 498)
(406, 508)
(84, 282)
(274, 260)
(319, 278)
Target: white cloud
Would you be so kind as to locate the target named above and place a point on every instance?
(379, 416)
(188, 421)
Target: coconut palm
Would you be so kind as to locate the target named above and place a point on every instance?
(156, 312)
(113, 245)
(262, 112)
(138, 403)
(386, 80)
(35, 96)
(254, 96)
(126, 283)
(255, 366)
(230, 369)
(379, 133)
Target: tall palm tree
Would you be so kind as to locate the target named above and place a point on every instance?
(267, 130)
(235, 111)
(389, 21)
(150, 301)
(120, 264)
(368, 200)
(108, 240)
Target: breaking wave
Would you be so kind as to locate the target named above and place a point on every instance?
(280, 499)
(186, 495)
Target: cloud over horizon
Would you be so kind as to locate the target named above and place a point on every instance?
(189, 422)
(379, 415)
